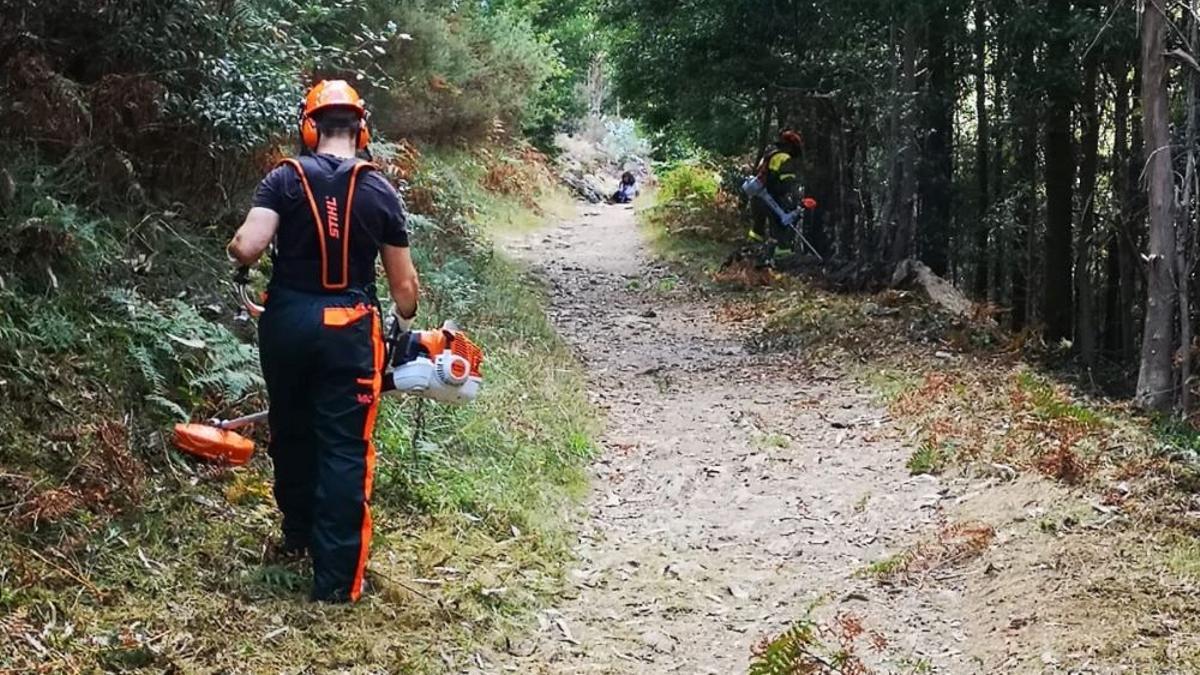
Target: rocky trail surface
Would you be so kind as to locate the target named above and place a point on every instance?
(735, 493)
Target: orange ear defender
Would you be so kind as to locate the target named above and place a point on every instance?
(332, 94)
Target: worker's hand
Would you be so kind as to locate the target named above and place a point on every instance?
(404, 324)
(809, 203)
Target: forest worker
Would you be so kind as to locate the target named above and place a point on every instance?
(779, 170)
(330, 215)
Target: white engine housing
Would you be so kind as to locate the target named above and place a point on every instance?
(433, 379)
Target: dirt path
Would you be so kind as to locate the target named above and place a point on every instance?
(734, 491)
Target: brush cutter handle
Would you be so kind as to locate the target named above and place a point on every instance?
(241, 278)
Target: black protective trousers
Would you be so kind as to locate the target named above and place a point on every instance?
(322, 357)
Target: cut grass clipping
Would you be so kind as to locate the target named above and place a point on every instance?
(954, 544)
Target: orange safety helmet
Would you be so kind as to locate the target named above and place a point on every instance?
(791, 137)
(332, 94)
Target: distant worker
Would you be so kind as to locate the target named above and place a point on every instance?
(628, 189)
(779, 171)
(330, 216)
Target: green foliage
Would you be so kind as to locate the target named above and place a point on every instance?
(890, 384)
(184, 360)
(885, 568)
(690, 202)
(460, 70)
(232, 69)
(788, 653)
(1177, 435)
(574, 30)
(1050, 404)
(929, 459)
(688, 184)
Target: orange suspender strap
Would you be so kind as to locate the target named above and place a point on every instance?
(342, 236)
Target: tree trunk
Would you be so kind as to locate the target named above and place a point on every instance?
(1116, 319)
(764, 125)
(1060, 183)
(982, 154)
(902, 244)
(1085, 325)
(848, 186)
(1184, 233)
(1134, 235)
(937, 162)
(1024, 178)
(1155, 376)
(1000, 291)
(886, 230)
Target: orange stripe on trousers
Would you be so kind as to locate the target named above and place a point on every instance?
(368, 436)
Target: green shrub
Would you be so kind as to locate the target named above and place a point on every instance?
(689, 184)
(460, 72)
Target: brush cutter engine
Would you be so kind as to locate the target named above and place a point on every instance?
(442, 365)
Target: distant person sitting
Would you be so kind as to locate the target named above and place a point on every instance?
(627, 191)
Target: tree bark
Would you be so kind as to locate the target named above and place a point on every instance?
(1059, 181)
(1155, 377)
(1085, 301)
(886, 230)
(983, 154)
(1000, 290)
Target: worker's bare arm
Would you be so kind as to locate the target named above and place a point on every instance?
(254, 236)
(403, 282)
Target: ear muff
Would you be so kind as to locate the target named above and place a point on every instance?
(308, 133)
(364, 133)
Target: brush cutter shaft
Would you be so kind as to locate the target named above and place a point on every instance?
(754, 188)
(239, 422)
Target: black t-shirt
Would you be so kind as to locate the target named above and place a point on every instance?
(378, 217)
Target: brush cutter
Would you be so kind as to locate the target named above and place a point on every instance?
(442, 365)
(755, 188)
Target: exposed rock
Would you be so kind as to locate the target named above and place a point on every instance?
(917, 275)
